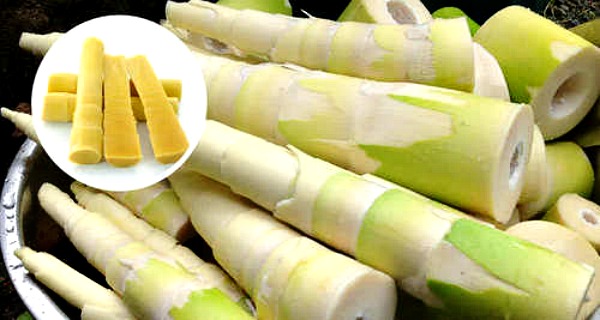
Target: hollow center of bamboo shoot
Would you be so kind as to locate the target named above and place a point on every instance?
(568, 96)
(516, 164)
(589, 217)
(400, 12)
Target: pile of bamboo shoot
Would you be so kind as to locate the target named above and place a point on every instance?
(345, 160)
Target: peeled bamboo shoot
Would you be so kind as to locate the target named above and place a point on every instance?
(167, 137)
(279, 268)
(438, 53)
(432, 251)
(77, 289)
(22, 121)
(459, 148)
(157, 240)
(38, 44)
(122, 146)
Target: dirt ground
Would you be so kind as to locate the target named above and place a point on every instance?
(18, 68)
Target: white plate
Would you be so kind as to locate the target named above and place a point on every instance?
(169, 57)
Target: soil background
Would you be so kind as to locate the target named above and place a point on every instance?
(18, 68)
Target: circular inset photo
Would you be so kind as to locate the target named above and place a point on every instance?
(58, 92)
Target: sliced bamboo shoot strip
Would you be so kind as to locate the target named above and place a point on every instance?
(437, 53)
(545, 65)
(86, 132)
(577, 213)
(121, 140)
(279, 268)
(77, 289)
(167, 137)
(131, 267)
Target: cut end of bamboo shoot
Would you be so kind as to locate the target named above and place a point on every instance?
(579, 214)
(86, 145)
(514, 156)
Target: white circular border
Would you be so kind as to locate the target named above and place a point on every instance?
(169, 57)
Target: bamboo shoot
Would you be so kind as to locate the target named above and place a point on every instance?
(438, 53)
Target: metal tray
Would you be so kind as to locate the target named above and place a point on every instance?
(23, 222)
